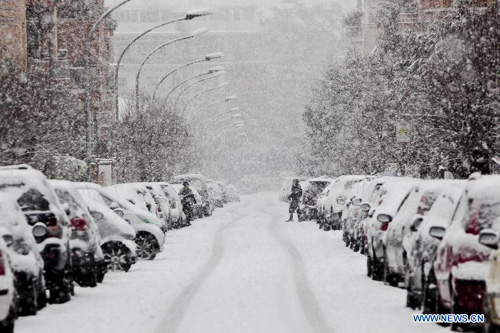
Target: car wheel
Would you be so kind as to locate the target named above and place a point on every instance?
(117, 257)
(355, 246)
(7, 325)
(42, 299)
(28, 305)
(411, 301)
(326, 227)
(146, 246)
(388, 277)
(60, 291)
(369, 266)
(376, 276)
(457, 309)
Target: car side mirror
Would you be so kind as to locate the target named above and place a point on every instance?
(365, 207)
(97, 215)
(489, 238)
(9, 240)
(119, 212)
(384, 218)
(340, 201)
(356, 202)
(114, 205)
(437, 232)
(416, 224)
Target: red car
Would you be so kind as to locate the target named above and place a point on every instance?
(462, 263)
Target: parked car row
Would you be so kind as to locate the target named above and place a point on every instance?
(438, 239)
(56, 233)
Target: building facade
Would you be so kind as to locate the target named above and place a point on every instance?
(13, 31)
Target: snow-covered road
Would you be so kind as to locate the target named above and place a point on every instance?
(241, 270)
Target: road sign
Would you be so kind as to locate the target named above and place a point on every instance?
(403, 134)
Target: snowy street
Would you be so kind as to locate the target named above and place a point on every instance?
(242, 270)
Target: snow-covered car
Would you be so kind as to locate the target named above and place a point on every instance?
(492, 296)
(286, 187)
(335, 198)
(462, 263)
(8, 304)
(197, 181)
(138, 195)
(216, 192)
(149, 236)
(87, 257)
(117, 237)
(162, 203)
(353, 214)
(232, 193)
(418, 202)
(49, 222)
(387, 204)
(26, 262)
(176, 213)
(420, 280)
(311, 189)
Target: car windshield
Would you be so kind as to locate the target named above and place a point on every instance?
(486, 211)
(33, 200)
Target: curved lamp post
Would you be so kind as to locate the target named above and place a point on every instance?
(224, 84)
(225, 100)
(217, 74)
(208, 57)
(86, 58)
(217, 69)
(193, 34)
(189, 16)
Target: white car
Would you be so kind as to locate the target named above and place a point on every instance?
(216, 191)
(335, 198)
(7, 307)
(176, 213)
(138, 195)
(390, 198)
(117, 237)
(25, 259)
(150, 238)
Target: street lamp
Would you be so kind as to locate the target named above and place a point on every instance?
(213, 70)
(225, 100)
(188, 16)
(224, 84)
(193, 34)
(86, 58)
(193, 83)
(208, 57)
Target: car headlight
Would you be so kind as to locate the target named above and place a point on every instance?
(145, 220)
(39, 230)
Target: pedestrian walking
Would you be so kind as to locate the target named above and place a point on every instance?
(294, 199)
(188, 201)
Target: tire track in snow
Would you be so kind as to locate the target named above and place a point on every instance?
(170, 323)
(308, 301)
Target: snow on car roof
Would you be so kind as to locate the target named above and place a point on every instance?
(484, 186)
(396, 192)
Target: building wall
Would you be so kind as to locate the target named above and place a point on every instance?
(13, 31)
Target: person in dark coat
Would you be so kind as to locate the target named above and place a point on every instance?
(294, 199)
(188, 200)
